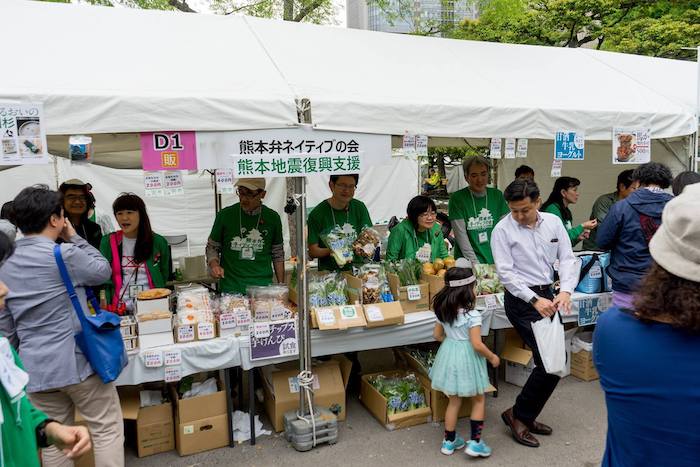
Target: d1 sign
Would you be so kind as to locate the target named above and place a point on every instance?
(169, 150)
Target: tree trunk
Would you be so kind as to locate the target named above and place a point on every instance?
(288, 16)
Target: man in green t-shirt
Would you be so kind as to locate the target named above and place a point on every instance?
(342, 210)
(474, 212)
(246, 241)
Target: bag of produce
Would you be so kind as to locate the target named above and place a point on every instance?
(408, 270)
(340, 241)
(366, 243)
(375, 286)
(487, 281)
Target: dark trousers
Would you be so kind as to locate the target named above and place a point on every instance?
(540, 385)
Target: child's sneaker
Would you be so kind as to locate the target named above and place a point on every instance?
(480, 449)
(449, 447)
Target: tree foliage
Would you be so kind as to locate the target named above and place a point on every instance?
(649, 27)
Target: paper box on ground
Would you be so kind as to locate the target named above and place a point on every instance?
(149, 341)
(282, 389)
(413, 297)
(582, 357)
(383, 314)
(157, 305)
(200, 422)
(155, 431)
(376, 404)
(154, 322)
(517, 359)
(435, 284)
(338, 317)
(438, 400)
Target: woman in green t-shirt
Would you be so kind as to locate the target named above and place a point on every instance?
(417, 236)
(565, 193)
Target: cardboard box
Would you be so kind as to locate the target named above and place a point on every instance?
(438, 400)
(338, 317)
(158, 305)
(422, 303)
(282, 390)
(155, 431)
(517, 359)
(435, 284)
(201, 423)
(582, 366)
(354, 288)
(154, 326)
(383, 314)
(148, 341)
(376, 404)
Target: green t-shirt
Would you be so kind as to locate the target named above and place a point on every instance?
(573, 232)
(246, 246)
(480, 216)
(404, 242)
(323, 218)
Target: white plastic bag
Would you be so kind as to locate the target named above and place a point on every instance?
(549, 335)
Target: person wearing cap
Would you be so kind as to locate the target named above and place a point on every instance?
(246, 242)
(77, 202)
(341, 210)
(647, 357)
(628, 228)
(474, 211)
(526, 245)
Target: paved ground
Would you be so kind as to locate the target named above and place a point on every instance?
(576, 412)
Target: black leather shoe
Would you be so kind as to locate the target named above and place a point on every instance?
(540, 428)
(521, 433)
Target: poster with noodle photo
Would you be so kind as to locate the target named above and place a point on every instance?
(631, 146)
(22, 135)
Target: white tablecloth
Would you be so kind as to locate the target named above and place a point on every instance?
(209, 355)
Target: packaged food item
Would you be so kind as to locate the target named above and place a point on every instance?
(327, 290)
(270, 303)
(230, 303)
(375, 286)
(366, 243)
(340, 241)
(153, 294)
(195, 306)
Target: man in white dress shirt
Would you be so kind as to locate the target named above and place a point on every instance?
(526, 244)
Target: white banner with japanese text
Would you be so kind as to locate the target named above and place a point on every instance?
(22, 134)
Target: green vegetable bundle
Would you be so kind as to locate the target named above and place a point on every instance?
(487, 281)
(408, 270)
(402, 393)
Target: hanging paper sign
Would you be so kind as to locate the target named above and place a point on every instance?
(631, 146)
(510, 148)
(152, 358)
(22, 134)
(521, 151)
(153, 183)
(569, 145)
(495, 148)
(173, 374)
(169, 150)
(409, 144)
(173, 183)
(421, 146)
(224, 181)
(556, 169)
(280, 341)
(172, 357)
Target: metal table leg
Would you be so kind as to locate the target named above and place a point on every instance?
(251, 404)
(229, 405)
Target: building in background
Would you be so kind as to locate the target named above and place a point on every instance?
(410, 16)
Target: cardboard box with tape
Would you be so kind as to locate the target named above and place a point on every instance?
(376, 403)
(338, 317)
(155, 431)
(281, 388)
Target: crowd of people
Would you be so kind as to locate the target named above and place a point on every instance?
(652, 236)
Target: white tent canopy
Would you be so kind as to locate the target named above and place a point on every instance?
(120, 70)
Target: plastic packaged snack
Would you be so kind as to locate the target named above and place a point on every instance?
(366, 243)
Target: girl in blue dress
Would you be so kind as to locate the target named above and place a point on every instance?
(459, 369)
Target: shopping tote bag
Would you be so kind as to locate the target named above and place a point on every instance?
(551, 342)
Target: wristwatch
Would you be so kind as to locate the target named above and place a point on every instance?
(42, 440)
(534, 299)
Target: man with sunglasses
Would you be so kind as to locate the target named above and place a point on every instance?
(246, 241)
(341, 210)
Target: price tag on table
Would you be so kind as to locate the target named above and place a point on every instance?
(227, 320)
(152, 358)
(374, 313)
(243, 317)
(413, 292)
(278, 313)
(205, 331)
(491, 302)
(172, 357)
(261, 330)
(185, 333)
(326, 316)
(348, 312)
(173, 374)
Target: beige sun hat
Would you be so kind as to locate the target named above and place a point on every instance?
(252, 183)
(676, 244)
